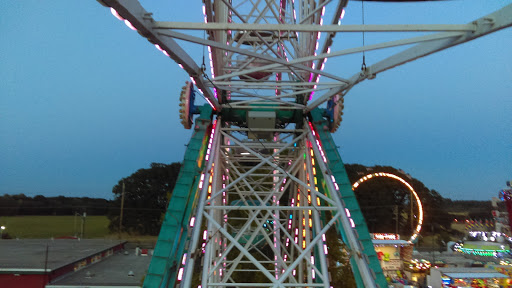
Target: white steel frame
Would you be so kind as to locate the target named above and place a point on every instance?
(287, 41)
(283, 167)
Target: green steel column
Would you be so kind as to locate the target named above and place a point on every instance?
(349, 199)
(169, 248)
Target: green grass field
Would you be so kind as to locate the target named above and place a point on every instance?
(54, 226)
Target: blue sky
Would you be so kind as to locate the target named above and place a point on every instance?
(85, 101)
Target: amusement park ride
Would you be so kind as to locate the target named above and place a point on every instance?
(262, 181)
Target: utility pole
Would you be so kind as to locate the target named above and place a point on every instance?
(433, 246)
(396, 218)
(83, 226)
(121, 214)
(412, 214)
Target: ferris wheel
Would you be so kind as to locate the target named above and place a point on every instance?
(262, 180)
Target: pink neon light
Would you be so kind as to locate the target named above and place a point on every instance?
(184, 259)
(181, 66)
(165, 53)
(180, 274)
(158, 47)
(114, 12)
(352, 224)
(347, 211)
(192, 221)
(325, 250)
(342, 14)
(211, 105)
(130, 25)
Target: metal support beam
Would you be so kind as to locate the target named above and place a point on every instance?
(288, 28)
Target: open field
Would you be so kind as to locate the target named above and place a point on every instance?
(41, 227)
(55, 226)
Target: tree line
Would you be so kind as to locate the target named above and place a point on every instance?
(147, 191)
(21, 205)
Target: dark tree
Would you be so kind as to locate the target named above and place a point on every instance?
(146, 196)
(382, 198)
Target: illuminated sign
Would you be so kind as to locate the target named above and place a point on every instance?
(385, 236)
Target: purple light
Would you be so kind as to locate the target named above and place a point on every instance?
(130, 25)
(180, 274)
(192, 221)
(114, 12)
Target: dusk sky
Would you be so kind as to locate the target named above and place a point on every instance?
(85, 101)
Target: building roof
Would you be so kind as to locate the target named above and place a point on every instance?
(390, 242)
(109, 272)
(29, 255)
(468, 272)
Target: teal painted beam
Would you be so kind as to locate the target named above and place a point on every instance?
(349, 199)
(171, 241)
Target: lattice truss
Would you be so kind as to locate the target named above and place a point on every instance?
(259, 209)
(269, 60)
(276, 51)
(261, 212)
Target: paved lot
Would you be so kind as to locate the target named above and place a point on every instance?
(31, 253)
(111, 271)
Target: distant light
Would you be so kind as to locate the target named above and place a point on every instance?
(2, 227)
(342, 14)
(130, 25)
(114, 12)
